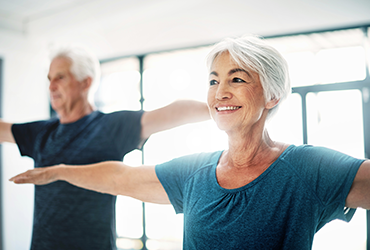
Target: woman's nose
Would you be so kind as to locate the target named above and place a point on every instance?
(223, 91)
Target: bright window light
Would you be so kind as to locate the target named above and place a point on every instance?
(334, 120)
(341, 65)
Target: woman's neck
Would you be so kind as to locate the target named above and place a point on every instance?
(251, 149)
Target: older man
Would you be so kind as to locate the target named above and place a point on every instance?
(65, 216)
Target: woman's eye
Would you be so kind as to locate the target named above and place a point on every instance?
(213, 82)
(238, 80)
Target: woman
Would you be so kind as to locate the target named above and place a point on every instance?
(258, 194)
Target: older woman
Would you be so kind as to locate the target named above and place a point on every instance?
(258, 194)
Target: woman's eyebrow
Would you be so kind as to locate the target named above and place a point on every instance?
(232, 71)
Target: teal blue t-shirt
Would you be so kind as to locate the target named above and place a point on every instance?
(305, 188)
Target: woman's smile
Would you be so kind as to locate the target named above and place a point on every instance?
(227, 108)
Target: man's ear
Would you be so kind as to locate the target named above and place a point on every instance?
(272, 103)
(87, 83)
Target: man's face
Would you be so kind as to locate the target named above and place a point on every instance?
(65, 90)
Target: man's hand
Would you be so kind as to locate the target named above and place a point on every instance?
(37, 176)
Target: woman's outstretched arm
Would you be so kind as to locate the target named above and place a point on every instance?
(359, 195)
(112, 177)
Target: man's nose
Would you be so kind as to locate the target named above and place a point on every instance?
(52, 85)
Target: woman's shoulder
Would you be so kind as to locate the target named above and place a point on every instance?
(192, 162)
(305, 149)
(314, 156)
(200, 158)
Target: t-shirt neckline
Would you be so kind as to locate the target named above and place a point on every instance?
(252, 183)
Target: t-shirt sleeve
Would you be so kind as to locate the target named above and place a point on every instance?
(174, 174)
(25, 135)
(125, 129)
(330, 175)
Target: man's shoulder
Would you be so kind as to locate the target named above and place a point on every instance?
(122, 112)
(47, 122)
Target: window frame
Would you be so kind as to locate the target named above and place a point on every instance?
(1, 162)
(362, 86)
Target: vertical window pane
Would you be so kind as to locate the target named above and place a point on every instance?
(335, 121)
(119, 88)
(129, 211)
(341, 64)
(286, 125)
(175, 75)
(328, 57)
(301, 68)
(164, 227)
(169, 77)
(129, 217)
(367, 50)
(340, 235)
(129, 244)
(318, 41)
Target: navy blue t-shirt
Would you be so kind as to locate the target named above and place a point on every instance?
(66, 216)
(305, 188)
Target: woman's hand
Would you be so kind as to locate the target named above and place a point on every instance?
(37, 176)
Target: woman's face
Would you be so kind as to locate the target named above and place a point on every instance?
(235, 96)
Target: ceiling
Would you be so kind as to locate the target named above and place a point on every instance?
(132, 26)
(24, 15)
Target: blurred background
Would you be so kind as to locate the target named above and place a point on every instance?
(152, 52)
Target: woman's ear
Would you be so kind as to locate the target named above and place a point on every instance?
(272, 103)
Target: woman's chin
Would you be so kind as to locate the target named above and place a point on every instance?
(224, 126)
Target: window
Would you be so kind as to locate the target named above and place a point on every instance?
(120, 86)
(320, 58)
(120, 90)
(335, 121)
(328, 107)
(168, 77)
(334, 118)
(1, 167)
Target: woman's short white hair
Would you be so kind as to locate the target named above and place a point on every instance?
(252, 52)
(83, 64)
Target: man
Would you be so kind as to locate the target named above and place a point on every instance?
(65, 216)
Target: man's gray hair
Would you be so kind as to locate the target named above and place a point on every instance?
(252, 52)
(83, 64)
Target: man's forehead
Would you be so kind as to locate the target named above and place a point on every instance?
(61, 61)
(60, 65)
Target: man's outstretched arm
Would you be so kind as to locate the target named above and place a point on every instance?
(173, 115)
(6, 134)
(111, 177)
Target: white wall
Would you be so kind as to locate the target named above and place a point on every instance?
(24, 99)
